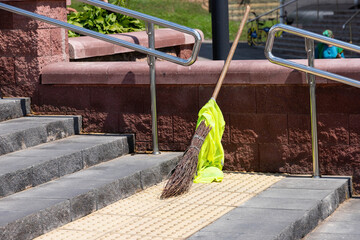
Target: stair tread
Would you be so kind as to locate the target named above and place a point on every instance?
(114, 179)
(49, 151)
(23, 123)
(45, 162)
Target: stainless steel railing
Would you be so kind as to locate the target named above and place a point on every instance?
(150, 51)
(348, 22)
(272, 10)
(311, 72)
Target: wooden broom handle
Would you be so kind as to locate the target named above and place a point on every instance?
(231, 53)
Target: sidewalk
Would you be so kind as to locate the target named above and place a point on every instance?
(244, 206)
(343, 224)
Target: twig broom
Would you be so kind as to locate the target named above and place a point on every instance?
(181, 179)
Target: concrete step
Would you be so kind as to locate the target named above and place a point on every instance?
(289, 53)
(293, 39)
(25, 132)
(34, 166)
(11, 108)
(296, 47)
(288, 45)
(35, 211)
(289, 209)
(334, 18)
(255, 6)
(254, 1)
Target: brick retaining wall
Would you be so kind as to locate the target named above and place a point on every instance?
(27, 45)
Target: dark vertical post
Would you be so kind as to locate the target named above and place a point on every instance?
(220, 29)
(310, 50)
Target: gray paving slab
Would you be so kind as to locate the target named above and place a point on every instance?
(296, 193)
(11, 108)
(353, 206)
(80, 193)
(229, 236)
(43, 163)
(323, 183)
(343, 224)
(333, 236)
(21, 133)
(339, 227)
(280, 203)
(289, 209)
(267, 214)
(346, 216)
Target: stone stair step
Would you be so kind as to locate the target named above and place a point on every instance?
(35, 211)
(37, 165)
(11, 108)
(25, 132)
(236, 10)
(289, 52)
(289, 209)
(330, 17)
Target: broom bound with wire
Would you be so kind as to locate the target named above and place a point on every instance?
(183, 175)
(181, 180)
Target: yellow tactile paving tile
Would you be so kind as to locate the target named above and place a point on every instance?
(145, 216)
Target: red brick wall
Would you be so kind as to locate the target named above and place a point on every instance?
(266, 109)
(267, 126)
(27, 45)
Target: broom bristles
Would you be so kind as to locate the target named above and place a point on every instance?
(181, 179)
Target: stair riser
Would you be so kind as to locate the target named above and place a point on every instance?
(34, 136)
(14, 108)
(35, 175)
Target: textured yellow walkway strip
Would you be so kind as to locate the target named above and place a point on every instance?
(145, 216)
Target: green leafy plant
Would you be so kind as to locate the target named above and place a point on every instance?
(104, 21)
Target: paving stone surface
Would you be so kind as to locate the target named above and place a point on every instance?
(342, 224)
(145, 216)
(289, 209)
(243, 206)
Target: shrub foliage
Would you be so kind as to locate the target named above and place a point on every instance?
(104, 21)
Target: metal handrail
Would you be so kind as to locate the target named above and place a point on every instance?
(150, 51)
(117, 41)
(350, 19)
(304, 68)
(267, 13)
(311, 72)
(349, 22)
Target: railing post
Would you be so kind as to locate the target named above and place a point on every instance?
(297, 14)
(220, 29)
(318, 9)
(310, 50)
(151, 63)
(282, 12)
